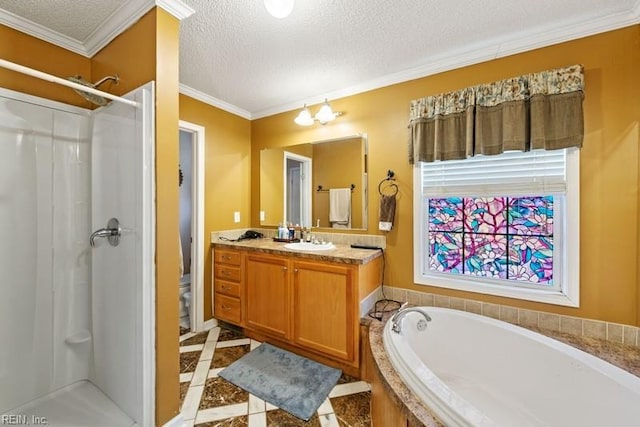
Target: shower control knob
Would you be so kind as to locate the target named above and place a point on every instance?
(112, 232)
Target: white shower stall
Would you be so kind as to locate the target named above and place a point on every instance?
(76, 322)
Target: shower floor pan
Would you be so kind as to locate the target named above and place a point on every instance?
(80, 404)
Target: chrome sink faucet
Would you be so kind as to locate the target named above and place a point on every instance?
(402, 311)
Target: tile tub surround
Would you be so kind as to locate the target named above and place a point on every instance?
(624, 356)
(614, 332)
(208, 400)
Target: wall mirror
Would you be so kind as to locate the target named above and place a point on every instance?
(296, 184)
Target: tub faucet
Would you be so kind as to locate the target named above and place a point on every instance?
(402, 311)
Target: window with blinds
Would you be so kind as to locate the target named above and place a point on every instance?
(496, 221)
(536, 171)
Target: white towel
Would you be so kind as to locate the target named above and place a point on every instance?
(340, 207)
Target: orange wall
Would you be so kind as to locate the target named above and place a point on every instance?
(340, 166)
(23, 49)
(609, 164)
(227, 173)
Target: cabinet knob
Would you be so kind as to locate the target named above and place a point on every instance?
(284, 268)
(295, 270)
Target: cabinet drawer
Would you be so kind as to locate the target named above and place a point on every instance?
(227, 257)
(225, 272)
(227, 308)
(227, 288)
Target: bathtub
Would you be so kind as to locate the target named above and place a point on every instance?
(472, 370)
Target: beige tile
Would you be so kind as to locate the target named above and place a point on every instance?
(442, 301)
(400, 294)
(615, 332)
(473, 306)
(571, 325)
(528, 317)
(630, 335)
(491, 310)
(427, 300)
(457, 304)
(595, 329)
(549, 321)
(509, 314)
(413, 298)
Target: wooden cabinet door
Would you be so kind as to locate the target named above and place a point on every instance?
(324, 308)
(268, 298)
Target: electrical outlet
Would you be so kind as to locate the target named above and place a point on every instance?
(236, 216)
(262, 216)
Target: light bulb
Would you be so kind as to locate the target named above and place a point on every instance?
(279, 8)
(325, 114)
(304, 118)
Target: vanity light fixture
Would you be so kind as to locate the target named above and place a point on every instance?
(324, 116)
(279, 8)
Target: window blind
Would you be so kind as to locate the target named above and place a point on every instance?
(510, 173)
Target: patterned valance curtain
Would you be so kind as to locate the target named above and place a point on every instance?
(540, 110)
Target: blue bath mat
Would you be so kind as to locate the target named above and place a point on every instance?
(291, 382)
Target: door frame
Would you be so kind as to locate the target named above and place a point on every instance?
(196, 314)
(305, 187)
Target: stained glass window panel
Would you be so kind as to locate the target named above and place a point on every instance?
(531, 215)
(485, 215)
(531, 259)
(485, 255)
(445, 254)
(445, 214)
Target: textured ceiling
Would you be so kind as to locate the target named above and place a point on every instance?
(234, 53)
(75, 19)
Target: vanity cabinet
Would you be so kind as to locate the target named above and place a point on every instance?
(306, 305)
(268, 294)
(227, 284)
(325, 308)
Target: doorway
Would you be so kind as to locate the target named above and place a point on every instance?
(297, 189)
(192, 234)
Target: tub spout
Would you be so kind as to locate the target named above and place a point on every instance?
(397, 319)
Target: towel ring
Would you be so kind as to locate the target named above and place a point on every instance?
(390, 177)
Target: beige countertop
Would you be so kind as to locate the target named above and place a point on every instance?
(622, 356)
(341, 254)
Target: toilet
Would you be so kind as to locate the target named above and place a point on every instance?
(185, 300)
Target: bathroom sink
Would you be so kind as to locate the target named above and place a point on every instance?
(308, 246)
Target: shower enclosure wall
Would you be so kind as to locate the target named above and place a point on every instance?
(75, 322)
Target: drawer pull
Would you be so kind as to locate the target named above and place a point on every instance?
(225, 308)
(284, 268)
(225, 288)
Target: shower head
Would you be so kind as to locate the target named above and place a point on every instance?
(96, 99)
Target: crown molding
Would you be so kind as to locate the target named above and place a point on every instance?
(121, 19)
(470, 56)
(177, 8)
(41, 32)
(215, 102)
(126, 16)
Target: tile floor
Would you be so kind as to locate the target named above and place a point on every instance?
(208, 400)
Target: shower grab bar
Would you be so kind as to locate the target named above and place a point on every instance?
(112, 232)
